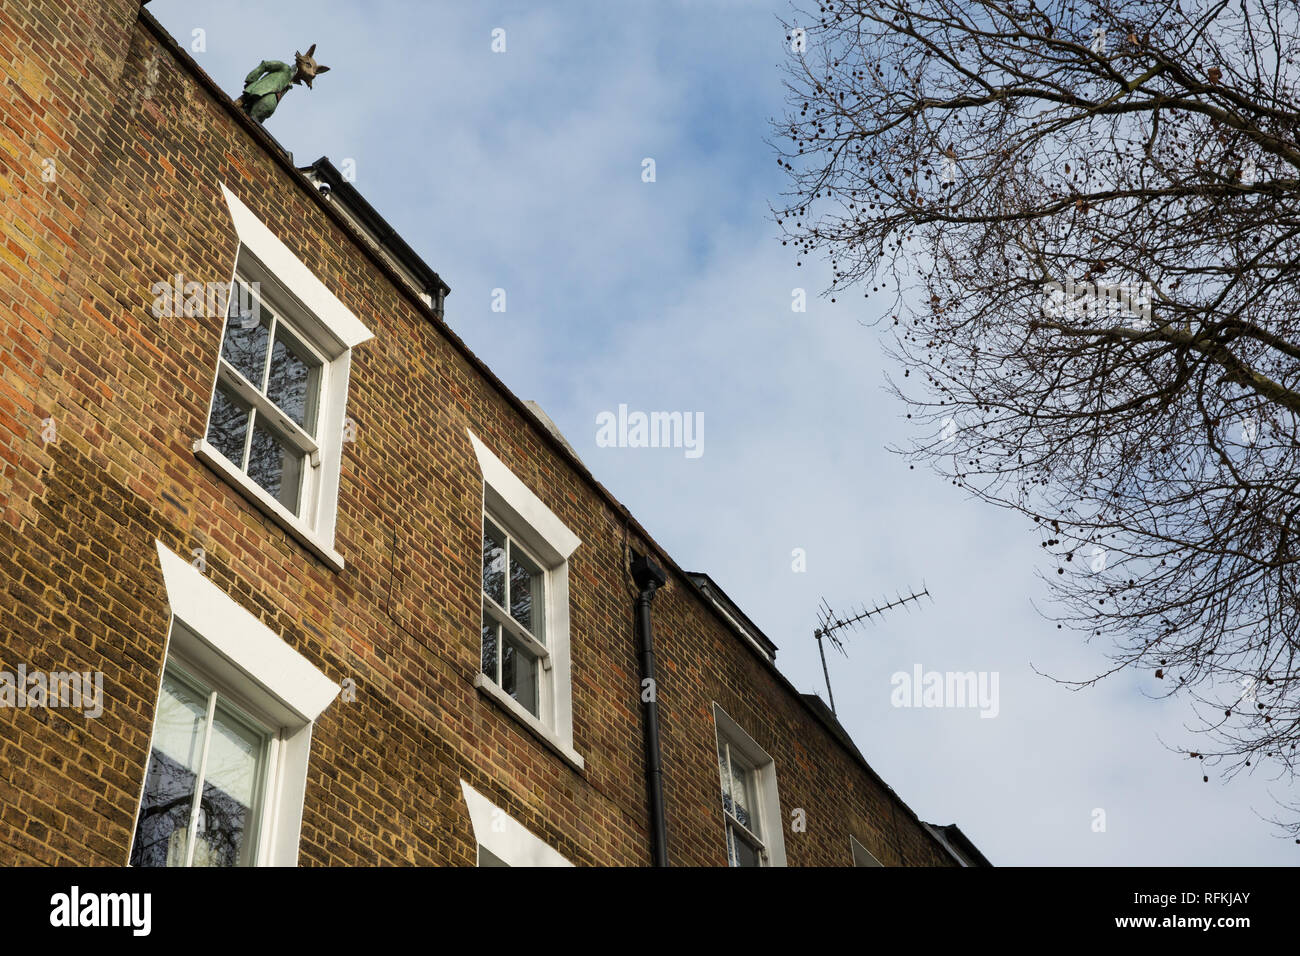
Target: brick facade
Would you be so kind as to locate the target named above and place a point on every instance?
(140, 141)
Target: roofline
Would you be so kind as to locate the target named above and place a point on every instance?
(744, 622)
(278, 155)
(384, 234)
(831, 721)
(953, 832)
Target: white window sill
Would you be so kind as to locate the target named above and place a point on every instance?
(209, 455)
(488, 688)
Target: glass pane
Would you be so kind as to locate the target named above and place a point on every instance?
(161, 831)
(487, 858)
(228, 427)
(725, 774)
(232, 793)
(248, 328)
(294, 382)
(276, 466)
(494, 562)
(519, 675)
(742, 794)
(742, 852)
(491, 642)
(526, 583)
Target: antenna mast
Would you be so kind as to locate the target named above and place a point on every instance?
(829, 624)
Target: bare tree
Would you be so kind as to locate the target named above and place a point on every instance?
(1081, 221)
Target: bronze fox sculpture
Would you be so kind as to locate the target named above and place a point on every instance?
(271, 79)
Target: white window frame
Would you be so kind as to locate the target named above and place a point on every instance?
(502, 839)
(749, 774)
(771, 830)
(330, 330)
(535, 647)
(861, 855)
(253, 394)
(270, 786)
(233, 653)
(523, 516)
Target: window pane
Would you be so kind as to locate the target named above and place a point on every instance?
(742, 852)
(491, 642)
(519, 675)
(526, 583)
(275, 466)
(247, 333)
(228, 428)
(232, 790)
(487, 858)
(742, 794)
(161, 830)
(294, 382)
(725, 773)
(494, 562)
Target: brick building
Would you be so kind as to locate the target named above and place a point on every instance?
(291, 577)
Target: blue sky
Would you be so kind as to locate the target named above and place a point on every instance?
(522, 171)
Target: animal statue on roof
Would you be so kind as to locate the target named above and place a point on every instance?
(271, 79)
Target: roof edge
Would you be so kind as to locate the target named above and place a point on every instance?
(384, 234)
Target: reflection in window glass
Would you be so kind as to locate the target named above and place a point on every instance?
(228, 426)
(294, 380)
(514, 609)
(179, 729)
(231, 801)
(222, 758)
(525, 591)
(491, 641)
(247, 332)
(519, 675)
(494, 562)
(268, 381)
(275, 466)
(741, 783)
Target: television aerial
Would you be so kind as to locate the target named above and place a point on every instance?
(830, 624)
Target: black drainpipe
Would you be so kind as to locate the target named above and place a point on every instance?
(649, 577)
